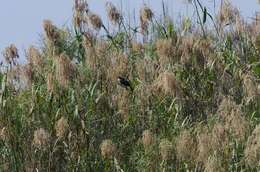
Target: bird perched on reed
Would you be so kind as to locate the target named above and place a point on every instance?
(125, 83)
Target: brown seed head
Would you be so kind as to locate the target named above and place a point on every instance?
(147, 138)
(147, 69)
(167, 83)
(95, 21)
(237, 125)
(3, 133)
(252, 150)
(81, 6)
(123, 103)
(119, 66)
(14, 76)
(166, 51)
(28, 75)
(214, 164)
(107, 148)
(165, 147)
(34, 57)
(249, 86)
(61, 127)
(226, 106)
(11, 54)
(137, 47)
(41, 138)
(50, 82)
(227, 13)
(219, 138)
(186, 146)
(78, 20)
(240, 26)
(146, 14)
(203, 47)
(204, 147)
(113, 14)
(65, 70)
(51, 31)
(88, 40)
(186, 47)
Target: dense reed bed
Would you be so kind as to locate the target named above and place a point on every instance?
(193, 105)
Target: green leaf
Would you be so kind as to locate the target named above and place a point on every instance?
(170, 29)
(256, 69)
(205, 13)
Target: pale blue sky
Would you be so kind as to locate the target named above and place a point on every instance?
(21, 20)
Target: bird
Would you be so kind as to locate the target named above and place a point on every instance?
(124, 82)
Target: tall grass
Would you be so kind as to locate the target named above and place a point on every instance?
(195, 103)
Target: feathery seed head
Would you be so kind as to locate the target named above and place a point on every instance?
(95, 21)
(227, 13)
(3, 133)
(220, 138)
(165, 147)
(51, 31)
(237, 124)
(50, 82)
(249, 86)
(41, 138)
(204, 147)
(147, 138)
(186, 146)
(146, 15)
(34, 57)
(137, 47)
(119, 66)
(166, 51)
(81, 6)
(187, 43)
(11, 54)
(14, 76)
(186, 47)
(240, 26)
(28, 74)
(203, 47)
(214, 164)
(78, 20)
(226, 106)
(146, 69)
(123, 103)
(107, 148)
(252, 150)
(167, 83)
(61, 127)
(88, 40)
(65, 70)
(113, 14)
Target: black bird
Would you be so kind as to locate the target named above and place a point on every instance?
(125, 83)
